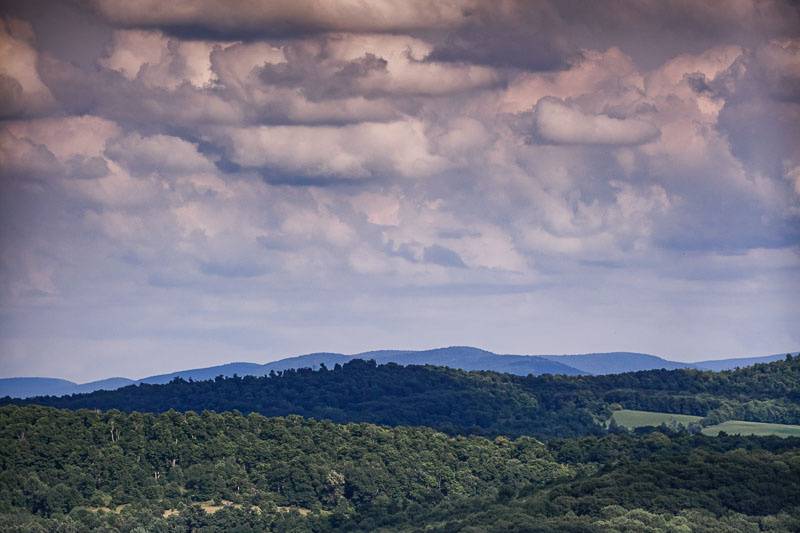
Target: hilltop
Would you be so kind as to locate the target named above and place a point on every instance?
(457, 357)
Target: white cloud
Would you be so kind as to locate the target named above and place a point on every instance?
(21, 89)
(558, 123)
(159, 61)
(248, 167)
(290, 15)
(157, 153)
(347, 152)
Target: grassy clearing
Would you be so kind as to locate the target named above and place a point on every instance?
(633, 419)
(740, 427)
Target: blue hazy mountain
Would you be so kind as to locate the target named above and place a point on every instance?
(461, 357)
(617, 362)
(201, 374)
(312, 360)
(730, 364)
(468, 358)
(26, 387)
(103, 384)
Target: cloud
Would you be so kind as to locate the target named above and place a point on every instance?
(158, 61)
(81, 167)
(439, 255)
(157, 153)
(21, 90)
(373, 66)
(348, 152)
(217, 17)
(20, 158)
(558, 123)
(474, 172)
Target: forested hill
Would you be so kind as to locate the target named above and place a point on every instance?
(110, 471)
(459, 402)
(452, 401)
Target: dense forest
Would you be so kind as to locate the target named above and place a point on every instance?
(476, 403)
(366, 447)
(81, 470)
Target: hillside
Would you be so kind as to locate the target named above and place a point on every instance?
(55, 461)
(449, 400)
(468, 358)
(86, 471)
(738, 362)
(28, 387)
(459, 357)
(483, 403)
(617, 362)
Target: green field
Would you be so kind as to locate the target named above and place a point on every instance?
(740, 427)
(633, 419)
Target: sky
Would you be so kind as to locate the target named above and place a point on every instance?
(188, 183)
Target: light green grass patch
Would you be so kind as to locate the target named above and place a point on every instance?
(740, 427)
(631, 419)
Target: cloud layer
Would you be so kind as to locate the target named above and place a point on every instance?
(188, 183)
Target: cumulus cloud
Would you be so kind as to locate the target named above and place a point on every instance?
(474, 172)
(347, 152)
(21, 89)
(558, 123)
(159, 61)
(157, 153)
(372, 66)
(287, 17)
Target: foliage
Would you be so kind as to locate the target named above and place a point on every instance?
(452, 401)
(480, 403)
(128, 471)
(88, 470)
(55, 461)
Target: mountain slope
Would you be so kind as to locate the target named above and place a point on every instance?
(740, 362)
(449, 400)
(25, 387)
(103, 384)
(28, 387)
(200, 374)
(459, 402)
(298, 463)
(460, 357)
(468, 358)
(616, 362)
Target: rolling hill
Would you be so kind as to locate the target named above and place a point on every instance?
(739, 362)
(616, 362)
(459, 357)
(459, 402)
(28, 387)
(468, 358)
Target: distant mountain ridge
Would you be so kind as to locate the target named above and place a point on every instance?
(617, 362)
(460, 357)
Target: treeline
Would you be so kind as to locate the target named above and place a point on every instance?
(761, 393)
(86, 470)
(54, 461)
(654, 481)
(452, 401)
(478, 403)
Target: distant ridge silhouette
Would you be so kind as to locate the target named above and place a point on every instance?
(461, 357)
